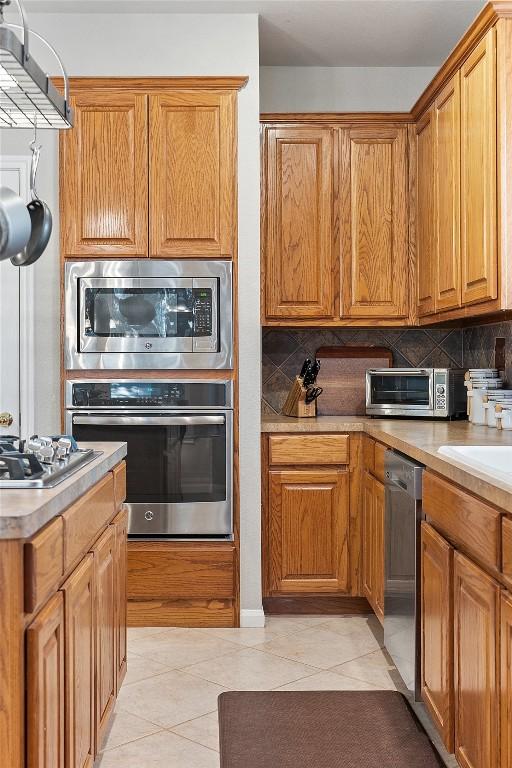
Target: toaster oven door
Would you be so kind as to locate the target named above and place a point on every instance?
(400, 392)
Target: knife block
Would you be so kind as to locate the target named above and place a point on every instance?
(295, 404)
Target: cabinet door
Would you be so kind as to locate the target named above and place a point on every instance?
(45, 687)
(192, 157)
(425, 221)
(506, 680)
(447, 203)
(105, 598)
(104, 176)
(299, 280)
(369, 539)
(121, 566)
(80, 665)
(379, 511)
(478, 172)
(309, 518)
(437, 631)
(476, 610)
(374, 222)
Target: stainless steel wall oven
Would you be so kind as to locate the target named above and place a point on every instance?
(148, 314)
(180, 450)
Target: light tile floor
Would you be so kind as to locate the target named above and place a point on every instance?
(166, 713)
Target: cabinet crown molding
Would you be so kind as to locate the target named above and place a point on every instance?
(153, 83)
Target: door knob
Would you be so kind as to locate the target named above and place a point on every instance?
(6, 419)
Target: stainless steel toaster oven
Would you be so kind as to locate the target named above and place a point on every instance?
(422, 392)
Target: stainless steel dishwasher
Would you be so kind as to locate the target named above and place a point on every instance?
(403, 515)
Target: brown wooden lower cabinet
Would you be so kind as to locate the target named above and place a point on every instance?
(373, 543)
(476, 612)
(309, 522)
(506, 680)
(79, 661)
(104, 553)
(45, 687)
(437, 631)
(120, 524)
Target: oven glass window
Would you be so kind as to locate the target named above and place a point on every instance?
(139, 312)
(399, 389)
(168, 464)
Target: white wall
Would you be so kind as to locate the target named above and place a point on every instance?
(341, 89)
(165, 44)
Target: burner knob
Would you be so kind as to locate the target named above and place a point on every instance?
(33, 445)
(63, 447)
(46, 454)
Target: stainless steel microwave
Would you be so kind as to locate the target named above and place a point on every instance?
(148, 314)
(423, 392)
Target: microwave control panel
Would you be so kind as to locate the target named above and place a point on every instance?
(202, 312)
(206, 320)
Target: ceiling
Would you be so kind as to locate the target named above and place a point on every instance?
(329, 33)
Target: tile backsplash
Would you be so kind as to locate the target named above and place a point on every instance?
(284, 350)
(479, 344)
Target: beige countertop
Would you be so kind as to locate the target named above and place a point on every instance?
(420, 440)
(24, 511)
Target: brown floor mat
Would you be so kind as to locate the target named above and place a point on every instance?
(331, 729)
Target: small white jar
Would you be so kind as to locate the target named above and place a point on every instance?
(478, 410)
(505, 417)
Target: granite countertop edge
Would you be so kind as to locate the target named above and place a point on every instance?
(36, 507)
(418, 439)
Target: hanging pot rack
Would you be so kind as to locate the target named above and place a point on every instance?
(27, 95)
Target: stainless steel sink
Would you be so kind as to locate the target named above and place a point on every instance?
(493, 460)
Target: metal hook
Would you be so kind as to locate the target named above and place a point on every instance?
(36, 150)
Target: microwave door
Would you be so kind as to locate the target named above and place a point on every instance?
(406, 390)
(126, 315)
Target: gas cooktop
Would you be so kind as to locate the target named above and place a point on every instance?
(40, 462)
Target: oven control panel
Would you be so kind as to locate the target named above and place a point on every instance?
(148, 394)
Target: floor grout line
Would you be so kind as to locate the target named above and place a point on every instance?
(131, 741)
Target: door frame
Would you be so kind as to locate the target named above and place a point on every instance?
(21, 164)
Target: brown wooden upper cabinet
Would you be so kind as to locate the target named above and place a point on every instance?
(374, 222)
(104, 175)
(192, 154)
(335, 223)
(299, 265)
(478, 167)
(426, 221)
(447, 265)
(150, 170)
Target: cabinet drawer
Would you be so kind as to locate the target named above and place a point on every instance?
(309, 449)
(44, 564)
(159, 570)
(86, 518)
(466, 521)
(380, 451)
(506, 538)
(119, 474)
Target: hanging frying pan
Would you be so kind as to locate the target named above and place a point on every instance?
(40, 217)
(14, 224)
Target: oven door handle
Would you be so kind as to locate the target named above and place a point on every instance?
(164, 421)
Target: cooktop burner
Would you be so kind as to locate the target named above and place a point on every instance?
(40, 462)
